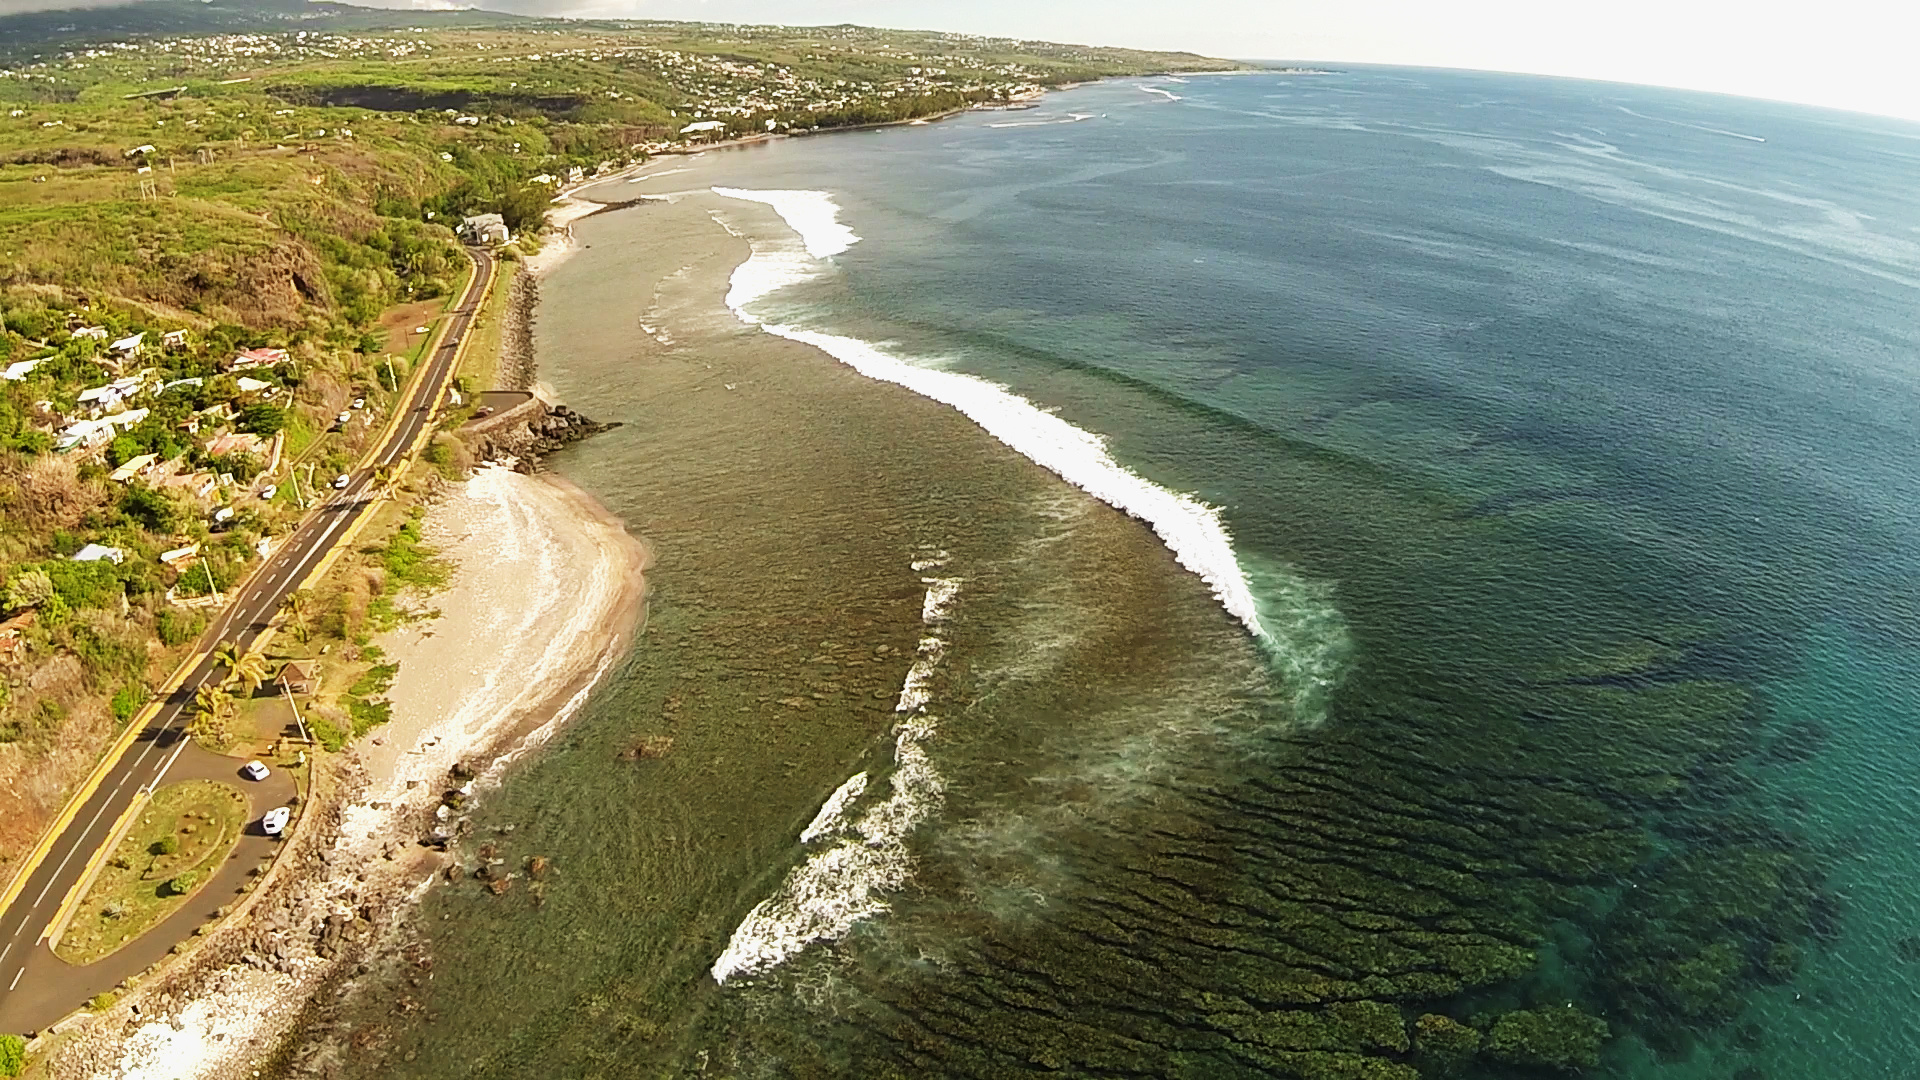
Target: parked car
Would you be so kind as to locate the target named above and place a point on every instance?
(484, 410)
(254, 770)
(359, 403)
(223, 515)
(268, 492)
(276, 820)
(341, 481)
(343, 418)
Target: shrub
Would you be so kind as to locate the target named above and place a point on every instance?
(182, 884)
(166, 845)
(126, 702)
(178, 628)
(13, 1055)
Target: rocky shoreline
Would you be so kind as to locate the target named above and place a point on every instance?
(521, 445)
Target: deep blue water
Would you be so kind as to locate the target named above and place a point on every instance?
(1574, 423)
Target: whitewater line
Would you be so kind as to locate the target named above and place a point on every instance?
(1191, 529)
(847, 882)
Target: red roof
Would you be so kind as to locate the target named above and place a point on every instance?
(255, 357)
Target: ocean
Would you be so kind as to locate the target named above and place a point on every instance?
(1388, 574)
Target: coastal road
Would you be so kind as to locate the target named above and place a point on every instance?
(36, 987)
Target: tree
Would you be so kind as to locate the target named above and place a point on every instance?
(29, 589)
(298, 605)
(524, 209)
(212, 707)
(246, 669)
(261, 419)
(13, 1055)
(384, 479)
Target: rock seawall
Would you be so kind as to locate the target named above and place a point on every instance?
(523, 434)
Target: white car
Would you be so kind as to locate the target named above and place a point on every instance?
(359, 403)
(254, 770)
(343, 418)
(267, 493)
(341, 481)
(276, 820)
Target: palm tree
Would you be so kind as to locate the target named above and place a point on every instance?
(385, 477)
(212, 707)
(247, 669)
(297, 604)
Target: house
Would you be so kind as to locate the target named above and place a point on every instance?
(103, 399)
(98, 432)
(255, 358)
(711, 129)
(96, 552)
(97, 333)
(179, 382)
(10, 631)
(299, 677)
(21, 369)
(237, 442)
(485, 229)
(128, 345)
(179, 557)
(251, 386)
(133, 467)
(174, 339)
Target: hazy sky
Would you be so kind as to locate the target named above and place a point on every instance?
(1852, 54)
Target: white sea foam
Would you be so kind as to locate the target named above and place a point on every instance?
(834, 889)
(1071, 118)
(1193, 530)
(940, 594)
(812, 214)
(1169, 95)
(832, 818)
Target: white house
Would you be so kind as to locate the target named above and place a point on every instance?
(130, 344)
(174, 339)
(20, 369)
(99, 399)
(98, 432)
(97, 333)
(485, 229)
(134, 467)
(96, 552)
(709, 128)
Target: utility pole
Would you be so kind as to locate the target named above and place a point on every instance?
(295, 706)
(207, 565)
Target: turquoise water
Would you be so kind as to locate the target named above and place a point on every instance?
(1566, 428)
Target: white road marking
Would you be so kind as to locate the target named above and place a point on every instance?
(16, 979)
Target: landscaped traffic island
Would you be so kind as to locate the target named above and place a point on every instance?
(176, 844)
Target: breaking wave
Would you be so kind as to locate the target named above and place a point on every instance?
(1193, 530)
(868, 858)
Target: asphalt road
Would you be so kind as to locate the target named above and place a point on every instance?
(36, 987)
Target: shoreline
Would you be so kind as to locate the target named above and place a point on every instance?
(549, 589)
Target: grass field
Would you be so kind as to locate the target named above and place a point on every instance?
(175, 846)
